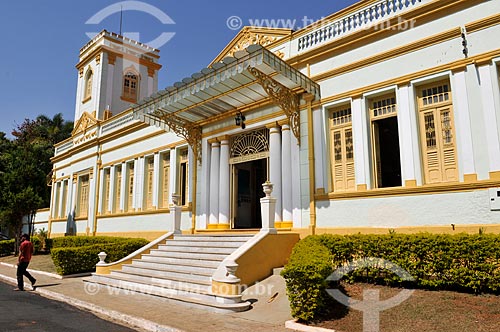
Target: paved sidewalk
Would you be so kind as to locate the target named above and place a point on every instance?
(151, 313)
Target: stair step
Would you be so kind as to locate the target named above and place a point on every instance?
(191, 297)
(177, 261)
(187, 269)
(163, 277)
(187, 255)
(213, 238)
(195, 249)
(210, 244)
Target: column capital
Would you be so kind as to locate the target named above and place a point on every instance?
(284, 122)
(272, 125)
(213, 140)
(223, 138)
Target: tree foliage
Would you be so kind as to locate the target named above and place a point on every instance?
(25, 168)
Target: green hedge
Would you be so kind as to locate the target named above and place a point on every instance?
(456, 262)
(71, 260)
(7, 247)
(80, 241)
(305, 274)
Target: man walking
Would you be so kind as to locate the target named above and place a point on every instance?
(25, 253)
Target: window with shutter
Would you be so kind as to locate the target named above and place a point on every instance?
(165, 179)
(149, 182)
(437, 133)
(130, 187)
(107, 191)
(84, 196)
(342, 154)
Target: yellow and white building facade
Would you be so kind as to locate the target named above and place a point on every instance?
(384, 115)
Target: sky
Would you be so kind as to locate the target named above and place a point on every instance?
(41, 40)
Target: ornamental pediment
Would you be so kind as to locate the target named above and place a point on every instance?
(85, 122)
(252, 35)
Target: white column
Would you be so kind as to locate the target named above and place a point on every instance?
(112, 191)
(224, 181)
(275, 166)
(405, 139)
(320, 157)
(135, 204)
(123, 184)
(156, 180)
(286, 163)
(296, 183)
(490, 121)
(214, 182)
(360, 140)
(203, 185)
(102, 199)
(72, 193)
(60, 195)
(463, 129)
(174, 165)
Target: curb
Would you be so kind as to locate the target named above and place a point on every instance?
(124, 319)
(293, 325)
(52, 275)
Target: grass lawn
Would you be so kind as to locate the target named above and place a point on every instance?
(429, 311)
(38, 262)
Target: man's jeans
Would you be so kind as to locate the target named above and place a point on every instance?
(21, 271)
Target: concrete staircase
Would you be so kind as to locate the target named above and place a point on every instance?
(180, 269)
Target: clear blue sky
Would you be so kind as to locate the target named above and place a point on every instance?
(41, 41)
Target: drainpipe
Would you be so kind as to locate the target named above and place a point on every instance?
(312, 177)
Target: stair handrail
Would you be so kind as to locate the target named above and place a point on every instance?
(105, 268)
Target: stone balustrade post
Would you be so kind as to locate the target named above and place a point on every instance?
(175, 212)
(268, 208)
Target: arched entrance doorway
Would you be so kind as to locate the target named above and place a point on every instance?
(249, 169)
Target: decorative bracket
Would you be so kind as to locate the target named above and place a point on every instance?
(187, 130)
(283, 96)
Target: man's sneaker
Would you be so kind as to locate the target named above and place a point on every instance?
(18, 289)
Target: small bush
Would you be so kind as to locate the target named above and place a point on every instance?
(80, 241)
(7, 247)
(71, 260)
(305, 275)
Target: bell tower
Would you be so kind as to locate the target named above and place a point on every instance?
(114, 72)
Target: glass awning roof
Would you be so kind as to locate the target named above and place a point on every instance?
(225, 87)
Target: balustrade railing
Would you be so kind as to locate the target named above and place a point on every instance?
(372, 16)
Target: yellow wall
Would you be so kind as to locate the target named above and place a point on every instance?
(258, 263)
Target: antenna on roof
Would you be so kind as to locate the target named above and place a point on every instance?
(121, 18)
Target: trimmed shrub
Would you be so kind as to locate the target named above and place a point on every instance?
(80, 241)
(305, 275)
(71, 260)
(436, 261)
(7, 247)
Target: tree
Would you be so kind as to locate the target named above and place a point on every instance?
(25, 166)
